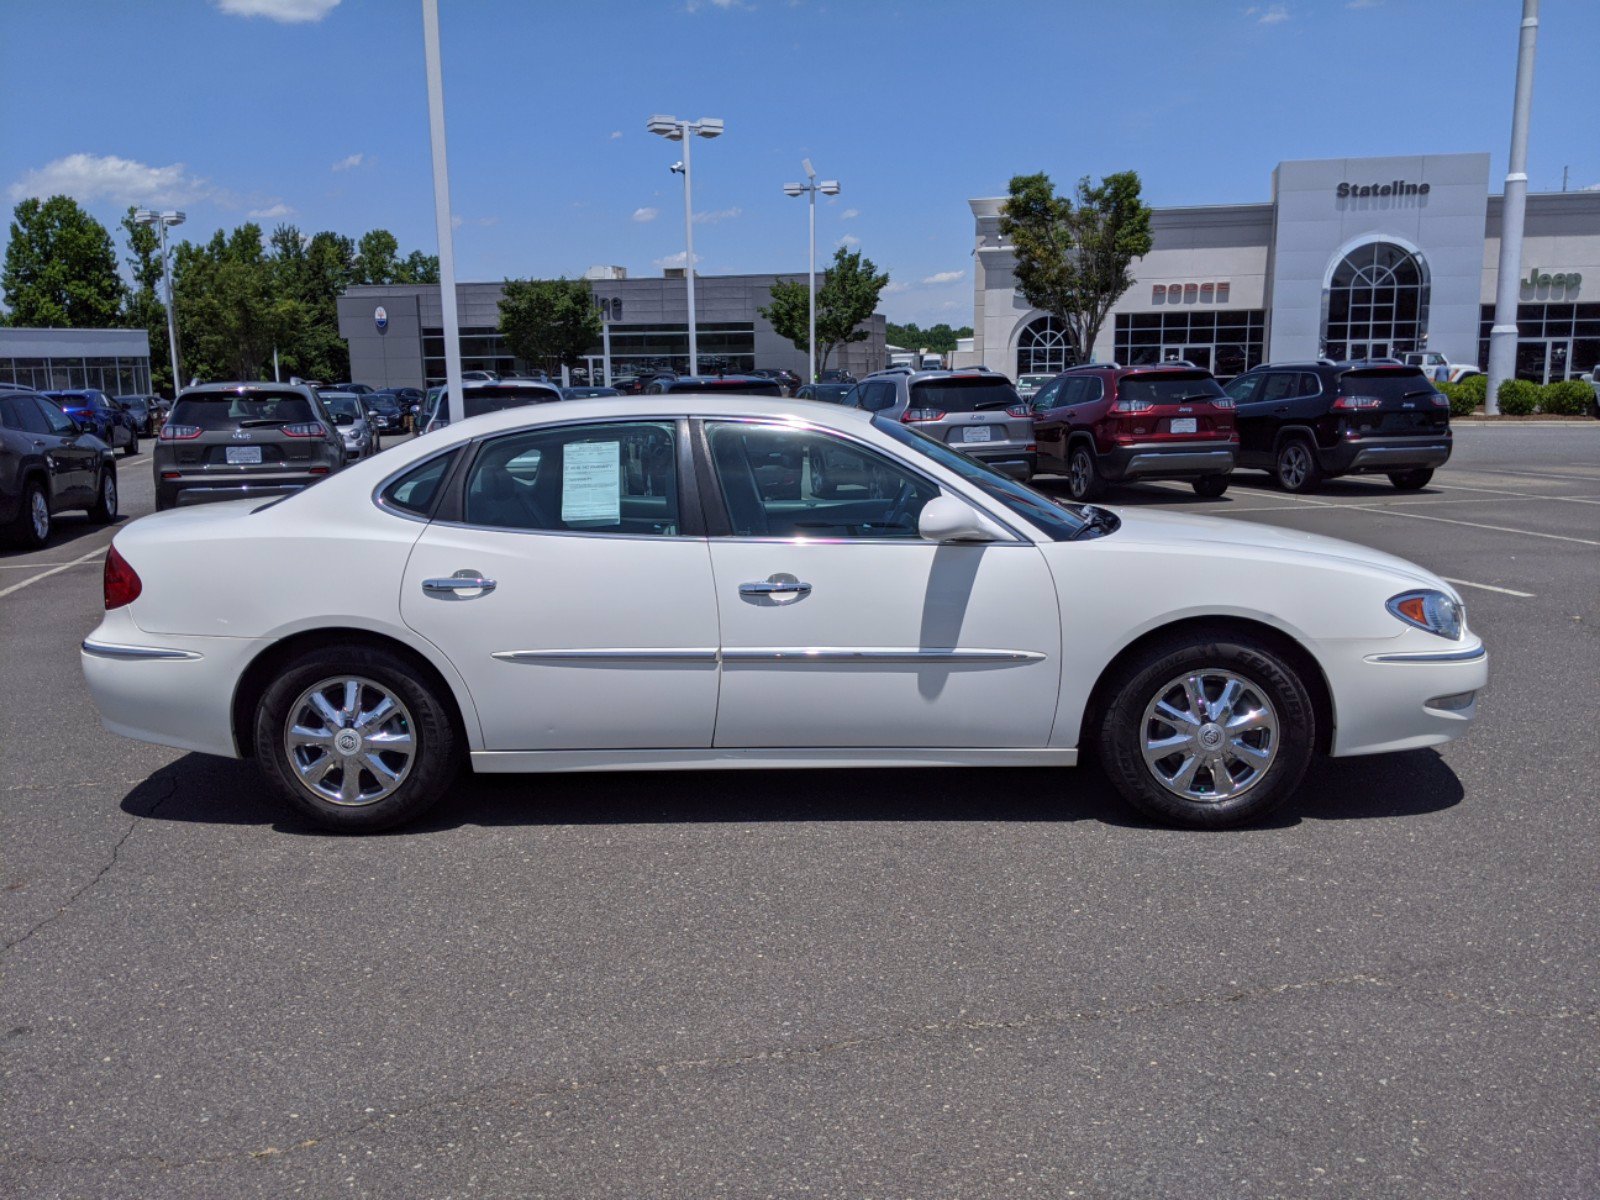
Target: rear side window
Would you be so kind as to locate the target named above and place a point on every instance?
(613, 478)
(19, 413)
(1170, 387)
(975, 394)
(224, 410)
(416, 490)
(1392, 383)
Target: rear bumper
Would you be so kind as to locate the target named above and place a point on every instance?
(1170, 460)
(1353, 456)
(211, 489)
(1019, 464)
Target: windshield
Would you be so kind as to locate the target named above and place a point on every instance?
(343, 406)
(225, 410)
(975, 393)
(1395, 383)
(1170, 387)
(1061, 523)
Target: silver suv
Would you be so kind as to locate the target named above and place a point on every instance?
(975, 411)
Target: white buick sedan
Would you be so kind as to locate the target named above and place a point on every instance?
(710, 582)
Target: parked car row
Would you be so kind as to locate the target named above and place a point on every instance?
(50, 463)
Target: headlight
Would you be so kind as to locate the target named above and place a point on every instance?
(1433, 611)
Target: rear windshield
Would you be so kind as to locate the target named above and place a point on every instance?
(481, 400)
(734, 387)
(1169, 387)
(1391, 383)
(347, 406)
(226, 411)
(975, 394)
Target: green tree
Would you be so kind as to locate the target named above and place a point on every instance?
(847, 297)
(143, 307)
(549, 322)
(1074, 255)
(377, 257)
(229, 307)
(60, 268)
(908, 336)
(418, 267)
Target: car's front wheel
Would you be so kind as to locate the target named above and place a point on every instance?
(1210, 486)
(354, 741)
(1207, 731)
(104, 508)
(1083, 475)
(31, 528)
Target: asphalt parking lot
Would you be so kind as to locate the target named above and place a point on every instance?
(907, 984)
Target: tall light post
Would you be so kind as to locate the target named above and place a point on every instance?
(148, 216)
(810, 188)
(1503, 333)
(441, 213)
(675, 130)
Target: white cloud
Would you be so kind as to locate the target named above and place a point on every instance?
(895, 287)
(1363, 3)
(646, 214)
(272, 212)
(1273, 14)
(285, 12)
(721, 214)
(943, 277)
(674, 260)
(850, 214)
(724, 5)
(615, 134)
(96, 177)
(349, 162)
(847, 240)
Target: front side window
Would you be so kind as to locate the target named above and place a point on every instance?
(1244, 389)
(1049, 395)
(617, 478)
(780, 482)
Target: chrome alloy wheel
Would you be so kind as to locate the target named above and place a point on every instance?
(1294, 464)
(39, 514)
(1209, 735)
(351, 741)
(1080, 473)
(108, 494)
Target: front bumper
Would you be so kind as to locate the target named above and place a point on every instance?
(1170, 460)
(1363, 455)
(1405, 695)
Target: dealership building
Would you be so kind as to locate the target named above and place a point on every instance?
(1350, 258)
(396, 331)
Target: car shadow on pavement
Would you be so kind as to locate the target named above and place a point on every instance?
(202, 789)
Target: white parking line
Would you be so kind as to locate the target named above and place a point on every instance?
(77, 562)
(1488, 587)
(1395, 512)
(32, 566)
(1461, 487)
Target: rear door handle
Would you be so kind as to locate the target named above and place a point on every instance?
(461, 581)
(1281, 410)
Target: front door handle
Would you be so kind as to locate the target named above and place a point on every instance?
(462, 581)
(781, 584)
(1282, 410)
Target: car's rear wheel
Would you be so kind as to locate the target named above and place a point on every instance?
(354, 741)
(1211, 486)
(1083, 476)
(1296, 468)
(1411, 481)
(132, 447)
(1207, 731)
(31, 526)
(104, 509)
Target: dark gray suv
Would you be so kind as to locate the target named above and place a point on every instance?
(975, 411)
(234, 441)
(48, 463)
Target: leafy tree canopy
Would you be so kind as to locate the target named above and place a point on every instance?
(940, 338)
(549, 322)
(847, 297)
(60, 268)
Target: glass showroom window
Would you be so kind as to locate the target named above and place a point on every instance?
(1043, 348)
(1377, 303)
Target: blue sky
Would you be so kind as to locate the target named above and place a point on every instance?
(315, 112)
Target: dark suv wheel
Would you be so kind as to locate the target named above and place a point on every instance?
(1411, 481)
(1083, 474)
(1296, 468)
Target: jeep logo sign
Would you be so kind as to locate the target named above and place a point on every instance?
(380, 318)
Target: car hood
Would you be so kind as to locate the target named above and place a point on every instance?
(1162, 529)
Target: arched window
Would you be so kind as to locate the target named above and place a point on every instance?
(1377, 303)
(1043, 348)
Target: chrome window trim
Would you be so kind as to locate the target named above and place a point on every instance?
(114, 650)
(1475, 654)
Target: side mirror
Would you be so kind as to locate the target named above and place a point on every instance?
(946, 519)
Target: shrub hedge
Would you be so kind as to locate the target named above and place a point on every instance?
(1518, 397)
(1568, 397)
(1464, 400)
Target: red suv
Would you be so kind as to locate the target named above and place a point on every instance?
(1103, 423)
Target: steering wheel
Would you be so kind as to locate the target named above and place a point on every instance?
(901, 509)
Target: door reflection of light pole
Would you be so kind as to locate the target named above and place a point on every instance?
(675, 130)
(166, 220)
(828, 187)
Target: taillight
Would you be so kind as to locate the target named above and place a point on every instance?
(178, 433)
(922, 414)
(122, 584)
(1132, 406)
(1222, 401)
(1439, 400)
(305, 429)
(1349, 403)
(1019, 410)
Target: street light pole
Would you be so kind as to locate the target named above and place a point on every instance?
(675, 130)
(828, 187)
(147, 216)
(1503, 333)
(441, 213)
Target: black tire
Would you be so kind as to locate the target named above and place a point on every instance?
(31, 527)
(1121, 730)
(106, 498)
(1210, 486)
(435, 753)
(1083, 474)
(1411, 481)
(132, 447)
(1295, 467)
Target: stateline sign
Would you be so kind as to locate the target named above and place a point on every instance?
(1395, 187)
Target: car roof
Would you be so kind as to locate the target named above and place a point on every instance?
(675, 404)
(240, 387)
